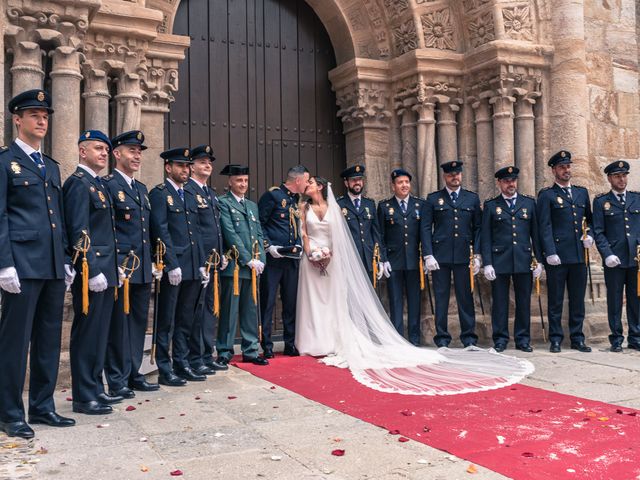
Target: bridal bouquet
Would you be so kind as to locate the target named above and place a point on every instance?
(320, 258)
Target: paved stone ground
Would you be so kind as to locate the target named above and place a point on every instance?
(273, 433)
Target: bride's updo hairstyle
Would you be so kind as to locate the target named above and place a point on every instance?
(324, 183)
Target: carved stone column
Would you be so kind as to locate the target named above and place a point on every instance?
(502, 130)
(128, 102)
(447, 131)
(427, 172)
(65, 93)
(96, 99)
(467, 147)
(525, 142)
(484, 145)
(409, 140)
(26, 71)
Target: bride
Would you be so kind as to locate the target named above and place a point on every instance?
(340, 317)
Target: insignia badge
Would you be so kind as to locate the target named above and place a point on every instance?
(40, 96)
(524, 211)
(101, 195)
(454, 164)
(284, 203)
(15, 168)
(127, 216)
(441, 201)
(368, 213)
(294, 250)
(357, 168)
(344, 212)
(282, 215)
(621, 164)
(139, 136)
(121, 196)
(92, 188)
(560, 200)
(170, 200)
(186, 153)
(563, 154)
(207, 149)
(198, 198)
(498, 210)
(87, 134)
(510, 170)
(391, 211)
(607, 206)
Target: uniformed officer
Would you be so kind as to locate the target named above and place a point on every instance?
(203, 333)
(509, 241)
(359, 212)
(133, 213)
(401, 221)
(281, 229)
(561, 210)
(616, 227)
(244, 244)
(91, 237)
(174, 220)
(32, 269)
(453, 219)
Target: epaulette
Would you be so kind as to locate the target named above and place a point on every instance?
(52, 159)
(108, 178)
(161, 186)
(577, 186)
(601, 195)
(526, 196)
(632, 191)
(339, 198)
(544, 189)
(78, 174)
(3, 148)
(275, 187)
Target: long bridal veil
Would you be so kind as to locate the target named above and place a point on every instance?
(378, 357)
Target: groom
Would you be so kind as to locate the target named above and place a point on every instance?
(279, 219)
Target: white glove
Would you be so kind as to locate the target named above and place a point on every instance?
(386, 266)
(256, 265)
(204, 276)
(69, 276)
(587, 242)
(537, 271)
(489, 273)
(553, 260)
(157, 274)
(98, 283)
(476, 264)
(121, 276)
(9, 281)
(430, 263)
(612, 261)
(380, 271)
(224, 262)
(273, 250)
(175, 276)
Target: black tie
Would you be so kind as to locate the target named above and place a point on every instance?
(181, 194)
(206, 192)
(403, 206)
(133, 185)
(512, 203)
(454, 196)
(37, 158)
(567, 190)
(621, 197)
(356, 203)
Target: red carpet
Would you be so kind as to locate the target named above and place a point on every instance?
(518, 431)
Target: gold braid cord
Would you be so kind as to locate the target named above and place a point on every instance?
(254, 275)
(471, 279)
(82, 247)
(216, 291)
(234, 255)
(374, 266)
(421, 268)
(129, 265)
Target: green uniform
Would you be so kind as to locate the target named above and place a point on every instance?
(240, 226)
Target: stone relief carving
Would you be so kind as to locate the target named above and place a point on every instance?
(405, 36)
(396, 7)
(481, 29)
(361, 102)
(438, 31)
(379, 27)
(517, 23)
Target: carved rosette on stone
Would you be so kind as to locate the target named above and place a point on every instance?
(363, 104)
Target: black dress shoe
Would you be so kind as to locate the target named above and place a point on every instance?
(92, 408)
(555, 347)
(442, 345)
(124, 392)
(633, 346)
(171, 380)
(52, 419)
(222, 361)
(109, 399)
(255, 360)
(581, 347)
(499, 347)
(204, 370)
(615, 348)
(189, 374)
(144, 386)
(268, 353)
(17, 429)
(291, 352)
(469, 344)
(217, 366)
(525, 347)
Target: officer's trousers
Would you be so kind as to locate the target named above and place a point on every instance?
(574, 278)
(464, 297)
(618, 281)
(522, 284)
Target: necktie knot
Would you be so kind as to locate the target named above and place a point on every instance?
(454, 196)
(181, 194)
(403, 206)
(356, 203)
(621, 197)
(37, 158)
(512, 203)
(567, 191)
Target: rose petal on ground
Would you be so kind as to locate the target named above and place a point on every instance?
(144, 468)
(231, 397)
(160, 418)
(571, 470)
(276, 458)
(182, 414)
(219, 434)
(535, 411)
(472, 468)
(403, 439)
(143, 439)
(42, 451)
(426, 429)
(103, 425)
(528, 454)
(422, 461)
(337, 453)
(197, 398)
(175, 473)
(604, 419)
(394, 432)
(272, 388)
(406, 413)
(130, 408)
(500, 439)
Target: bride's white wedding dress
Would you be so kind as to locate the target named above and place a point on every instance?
(339, 315)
